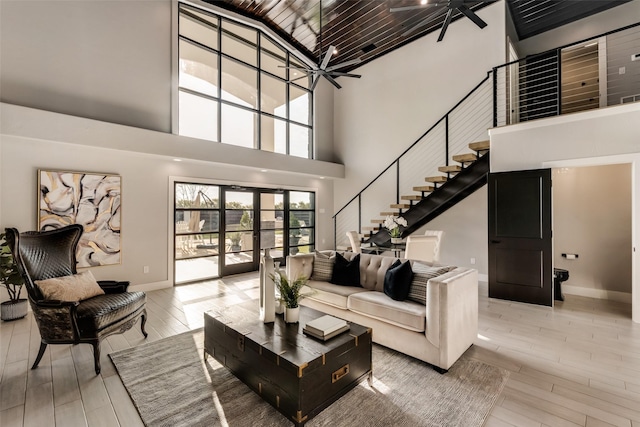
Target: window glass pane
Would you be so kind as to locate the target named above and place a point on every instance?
(239, 83)
(274, 95)
(274, 135)
(238, 126)
(240, 42)
(238, 200)
(301, 200)
(272, 58)
(198, 69)
(198, 116)
(271, 201)
(196, 221)
(300, 138)
(299, 105)
(294, 74)
(196, 245)
(199, 27)
(301, 249)
(197, 196)
(188, 270)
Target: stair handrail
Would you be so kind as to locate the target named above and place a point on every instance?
(444, 117)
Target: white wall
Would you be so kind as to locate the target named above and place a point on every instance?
(403, 93)
(592, 218)
(609, 20)
(465, 229)
(145, 179)
(596, 137)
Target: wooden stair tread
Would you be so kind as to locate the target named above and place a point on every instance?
(369, 228)
(435, 179)
(449, 169)
(387, 213)
(424, 188)
(377, 221)
(465, 158)
(411, 197)
(480, 145)
(400, 206)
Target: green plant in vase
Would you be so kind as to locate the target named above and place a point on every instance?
(290, 294)
(11, 279)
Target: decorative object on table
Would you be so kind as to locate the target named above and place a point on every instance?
(392, 224)
(89, 199)
(16, 307)
(290, 294)
(325, 327)
(267, 288)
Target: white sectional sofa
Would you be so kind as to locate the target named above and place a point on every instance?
(437, 332)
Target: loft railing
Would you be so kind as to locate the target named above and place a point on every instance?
(592, 73)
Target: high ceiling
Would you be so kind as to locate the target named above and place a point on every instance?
(367, 29)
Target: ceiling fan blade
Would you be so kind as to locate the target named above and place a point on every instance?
(316, 79)
(419, 6)
(333, 82)
(306, 76)
(424, 22)
(344, 64)
(339, 74)
(295, 67)
(447, 21)
(472, 15)
(327, 57)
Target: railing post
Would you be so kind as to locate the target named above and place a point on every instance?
(335, 232)
(398, 181)
(446, 140)
(360, 213)
(495, 97)
(559, 99)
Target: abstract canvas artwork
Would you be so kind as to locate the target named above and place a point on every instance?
(89, 199)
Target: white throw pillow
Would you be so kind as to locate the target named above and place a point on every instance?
(74, 288)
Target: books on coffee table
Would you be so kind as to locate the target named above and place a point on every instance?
(325, 327)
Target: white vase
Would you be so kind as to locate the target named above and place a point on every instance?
(267, 289)
(396, 240)
(292, 315)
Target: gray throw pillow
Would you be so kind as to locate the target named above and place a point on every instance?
(421, 275)
(323, 266)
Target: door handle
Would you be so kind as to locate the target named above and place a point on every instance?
(495, 241)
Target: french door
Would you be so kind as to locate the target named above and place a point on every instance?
(221, 230)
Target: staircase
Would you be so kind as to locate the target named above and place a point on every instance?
(444, 192)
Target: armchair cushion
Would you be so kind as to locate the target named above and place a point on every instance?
(73, 288)
(101, 311)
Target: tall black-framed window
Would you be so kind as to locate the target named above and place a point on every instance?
(233, 87)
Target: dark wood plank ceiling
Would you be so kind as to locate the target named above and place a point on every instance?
(367, 29)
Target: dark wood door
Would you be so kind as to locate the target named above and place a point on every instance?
(520, 239)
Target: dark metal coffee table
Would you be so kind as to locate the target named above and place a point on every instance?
(298, 375)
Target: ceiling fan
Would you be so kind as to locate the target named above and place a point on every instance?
(450, 7)
(322, 70)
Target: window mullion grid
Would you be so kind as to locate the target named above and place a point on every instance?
(219, 118)
(259, 100)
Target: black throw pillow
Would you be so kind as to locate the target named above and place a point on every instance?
(346, 273)
(397, 280)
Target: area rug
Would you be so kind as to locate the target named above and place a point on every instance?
(170, 385)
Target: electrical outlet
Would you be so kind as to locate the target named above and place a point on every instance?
(622, 70)
(145, 269)
(473, 261)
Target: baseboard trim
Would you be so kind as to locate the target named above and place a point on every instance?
(147, 287)
(597, 293)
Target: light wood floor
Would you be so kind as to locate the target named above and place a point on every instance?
(577, 364)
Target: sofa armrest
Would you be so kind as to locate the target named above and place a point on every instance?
(299, 265)
(113, 286)
(452, 313)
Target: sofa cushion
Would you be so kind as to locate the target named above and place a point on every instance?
(421, 275)
(406, 314)
(346, 273)
(323, 266)
(331, 294)
(397, 280)
(372, 269)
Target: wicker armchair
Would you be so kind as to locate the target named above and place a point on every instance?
(49, 254)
